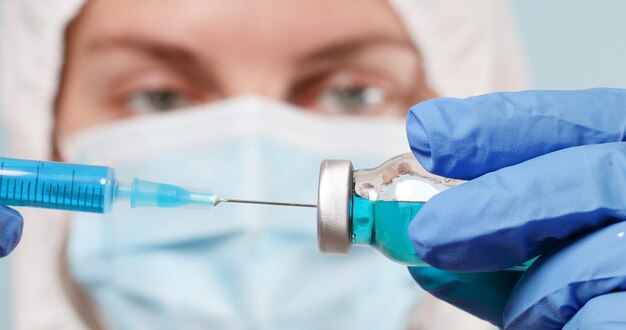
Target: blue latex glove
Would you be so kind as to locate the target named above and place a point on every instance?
(10, 230)
(548, 172)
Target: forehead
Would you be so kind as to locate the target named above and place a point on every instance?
(259, 27)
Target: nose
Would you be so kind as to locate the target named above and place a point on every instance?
(255, 78)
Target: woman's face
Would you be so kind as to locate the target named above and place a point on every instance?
(129, 58)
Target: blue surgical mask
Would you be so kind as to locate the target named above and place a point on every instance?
(234, 266)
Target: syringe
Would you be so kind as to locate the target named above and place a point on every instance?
(89, 188)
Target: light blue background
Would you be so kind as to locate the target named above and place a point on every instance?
(570, 44)
(573, 44)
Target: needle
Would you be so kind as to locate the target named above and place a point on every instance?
(245, 201)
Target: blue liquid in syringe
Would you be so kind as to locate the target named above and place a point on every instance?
(86, 188)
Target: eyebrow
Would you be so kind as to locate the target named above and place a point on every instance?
(156, 49)
(353, 46)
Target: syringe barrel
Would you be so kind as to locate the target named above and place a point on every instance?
(56, 185)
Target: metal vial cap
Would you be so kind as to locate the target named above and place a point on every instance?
(334, 202)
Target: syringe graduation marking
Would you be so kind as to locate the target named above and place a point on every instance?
(93, 189)
(78, 196)
(36, 183)
(72, 188)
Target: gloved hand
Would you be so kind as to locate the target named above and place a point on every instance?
(10, 230)
(548, 172)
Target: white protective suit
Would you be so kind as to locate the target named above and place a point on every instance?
(468, 48)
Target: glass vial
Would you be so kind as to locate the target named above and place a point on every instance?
(373, 207)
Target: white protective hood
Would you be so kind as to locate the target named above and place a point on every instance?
(468, 48)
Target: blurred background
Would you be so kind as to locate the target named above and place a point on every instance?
(573, 44)
(570, 44)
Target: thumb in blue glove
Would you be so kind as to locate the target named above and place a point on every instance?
(10, 230)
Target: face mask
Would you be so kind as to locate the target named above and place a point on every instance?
(234, 266)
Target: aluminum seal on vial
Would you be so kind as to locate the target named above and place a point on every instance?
(334, 202)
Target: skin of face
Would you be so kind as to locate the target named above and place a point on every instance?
(136, 58)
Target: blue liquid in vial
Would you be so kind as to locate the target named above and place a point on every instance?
(383, 225)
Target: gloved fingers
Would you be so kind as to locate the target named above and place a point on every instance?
(481, 294)
(509, 216)
(466, 138)
(604, 312)
(557, 286)
(11, 224)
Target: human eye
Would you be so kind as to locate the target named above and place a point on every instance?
(157, 92)
(158, 100)
(351, 99)
(346, 93)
